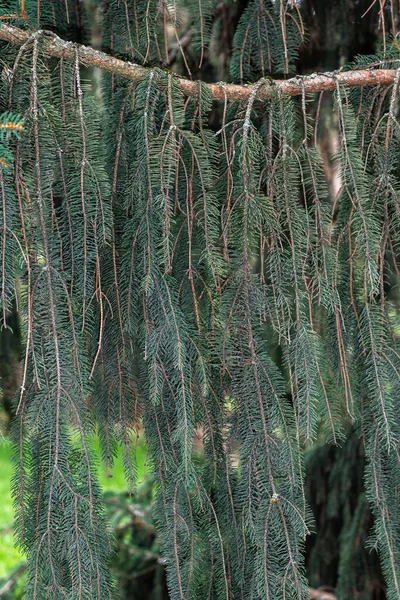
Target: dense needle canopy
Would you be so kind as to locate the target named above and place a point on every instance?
(179, 261)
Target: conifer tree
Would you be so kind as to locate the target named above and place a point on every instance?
(177, 260)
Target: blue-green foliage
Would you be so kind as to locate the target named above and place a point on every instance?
(11, 126)
(266, 40)
(58, 193)
(202, 282)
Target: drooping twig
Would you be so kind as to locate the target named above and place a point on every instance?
(52, 45)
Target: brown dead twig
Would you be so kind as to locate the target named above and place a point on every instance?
(52, 45)
(320, 594)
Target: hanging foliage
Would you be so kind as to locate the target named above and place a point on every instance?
(201, 280)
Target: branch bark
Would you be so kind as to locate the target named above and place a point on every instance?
(54, 46)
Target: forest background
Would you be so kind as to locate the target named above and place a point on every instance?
(335, 33)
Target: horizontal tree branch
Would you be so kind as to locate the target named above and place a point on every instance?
(55, 46)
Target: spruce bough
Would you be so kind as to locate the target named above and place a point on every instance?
(198, 279)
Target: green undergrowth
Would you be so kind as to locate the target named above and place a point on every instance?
(9, 555)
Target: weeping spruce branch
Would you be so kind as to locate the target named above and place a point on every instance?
(202, 282)
(317, 82)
